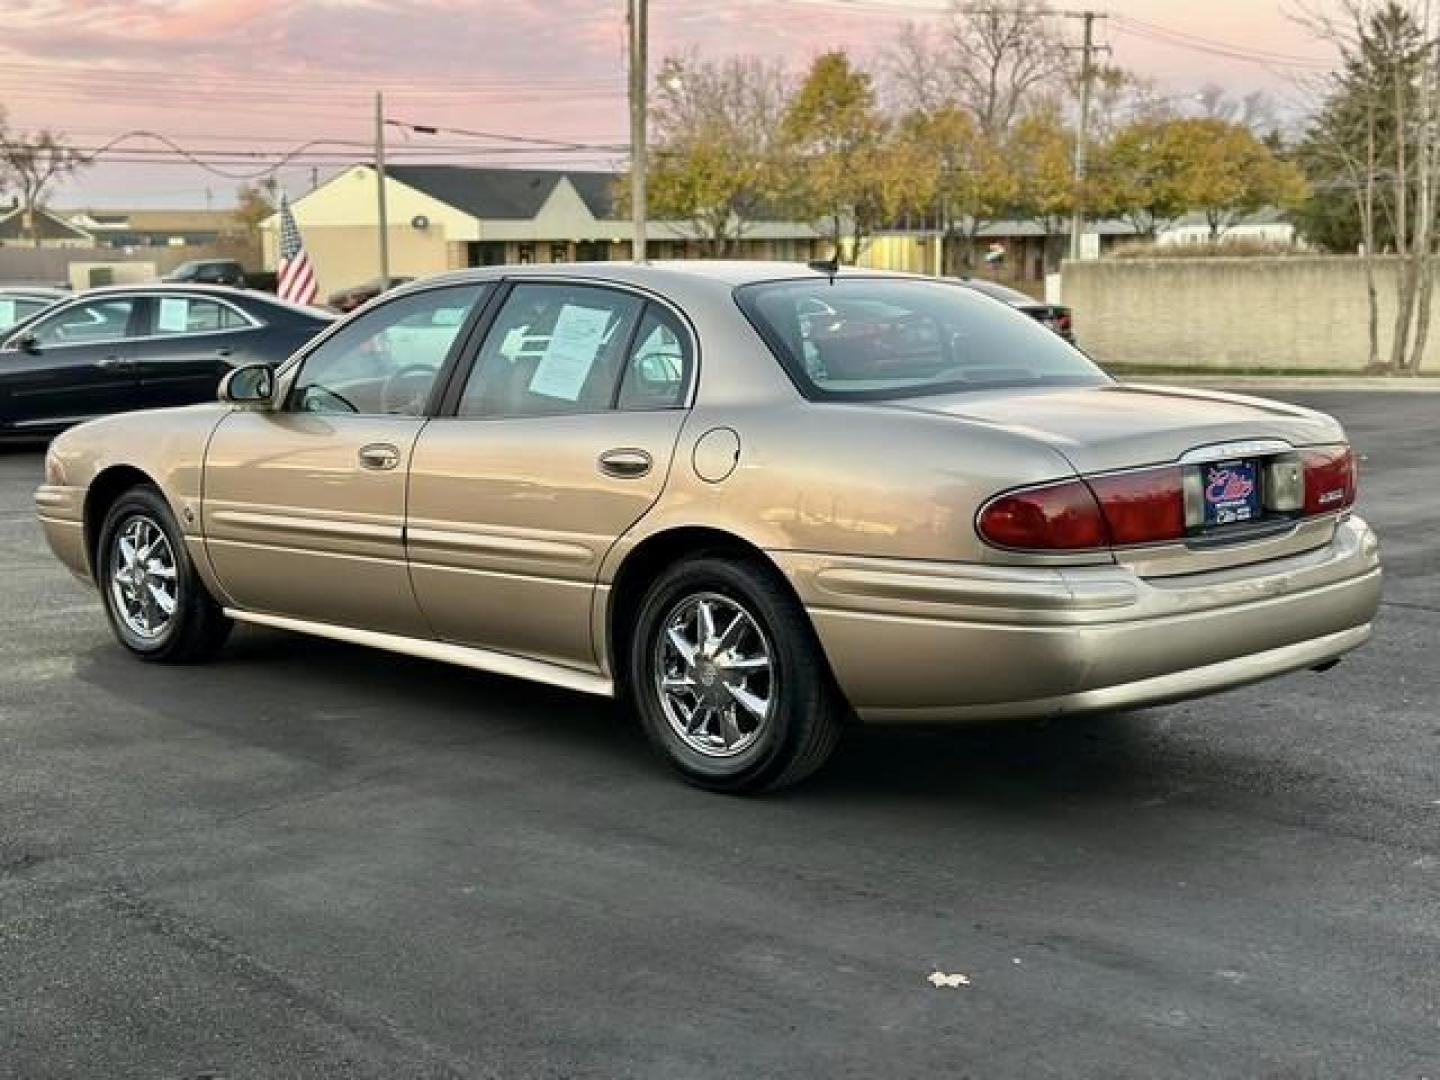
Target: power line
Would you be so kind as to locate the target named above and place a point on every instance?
(1194, 43)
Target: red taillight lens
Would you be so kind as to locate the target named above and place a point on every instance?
(1329, 479)
(1060, 517)
(1142, 507)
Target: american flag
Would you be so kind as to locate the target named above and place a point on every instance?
(296, 278)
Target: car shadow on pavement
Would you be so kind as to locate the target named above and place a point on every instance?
(334, 704)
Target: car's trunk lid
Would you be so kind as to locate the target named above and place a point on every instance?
(1109, 427)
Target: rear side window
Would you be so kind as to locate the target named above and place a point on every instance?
(879, 338)
(553, 349)
(194, 315)
(659, 368)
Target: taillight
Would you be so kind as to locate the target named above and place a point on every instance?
(1057, 517)
(1143, 507)
(1329, 479)
(1146, 507)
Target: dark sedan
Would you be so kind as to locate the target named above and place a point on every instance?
(1056, 316)
(142, 347)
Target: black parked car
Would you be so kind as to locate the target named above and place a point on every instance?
(139, 347)
(209, 272)
(1056, 316)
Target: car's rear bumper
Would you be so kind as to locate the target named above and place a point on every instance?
(926, 642)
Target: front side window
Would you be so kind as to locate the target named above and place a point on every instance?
(194, 315)
(553, 349)
(878, 338)
(386, 361)
(83, 323)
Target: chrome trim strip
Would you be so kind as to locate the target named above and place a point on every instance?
(289, 523)
(47, 421)
(1159, 690)
(1243, 449)
(508, 545)
(980, 588)
(496, 663)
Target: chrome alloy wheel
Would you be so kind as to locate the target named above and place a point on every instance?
(143, 581)
(714, 675)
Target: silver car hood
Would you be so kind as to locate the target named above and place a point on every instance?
(1114, 426)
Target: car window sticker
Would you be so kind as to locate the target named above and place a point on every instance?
(174, 315)
(574, 344)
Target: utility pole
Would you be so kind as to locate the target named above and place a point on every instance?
(639, 76)
(1082, 135)
(382, 218)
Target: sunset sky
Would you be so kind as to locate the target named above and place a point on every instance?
(232, 77)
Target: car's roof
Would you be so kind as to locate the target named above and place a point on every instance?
(223, 292)
(44, 291)
(730, 273)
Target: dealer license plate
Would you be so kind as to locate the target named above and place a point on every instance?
(1232, 492)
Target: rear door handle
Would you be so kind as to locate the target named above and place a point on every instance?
(626, 463)
(112, 362)
(379, 456)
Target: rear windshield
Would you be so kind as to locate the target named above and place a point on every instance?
(878, 338)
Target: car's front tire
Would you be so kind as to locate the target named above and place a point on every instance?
(729, 679)
(158, 607)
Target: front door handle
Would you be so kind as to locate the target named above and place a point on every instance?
(379, 456)
(626, 463)
(224, 351)
(110, 362)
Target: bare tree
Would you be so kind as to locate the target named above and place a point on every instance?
(991, 60)
(1255, 110)
(32, 164)
(1378, 124)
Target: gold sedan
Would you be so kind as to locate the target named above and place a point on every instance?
(758, 500)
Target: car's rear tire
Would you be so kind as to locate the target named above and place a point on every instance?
(729, 680)
(158, 607)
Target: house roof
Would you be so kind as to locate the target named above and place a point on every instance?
(504, 194)
(49, 226)
(151, 220)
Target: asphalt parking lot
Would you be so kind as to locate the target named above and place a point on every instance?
(309, 860)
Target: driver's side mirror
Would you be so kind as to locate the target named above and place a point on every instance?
(28, 343)
(253, 384)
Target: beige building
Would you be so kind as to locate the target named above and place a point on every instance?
(445, 217)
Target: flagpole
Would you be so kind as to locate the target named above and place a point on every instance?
(381, 217)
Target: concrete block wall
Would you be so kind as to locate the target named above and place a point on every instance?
(1302, 313)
